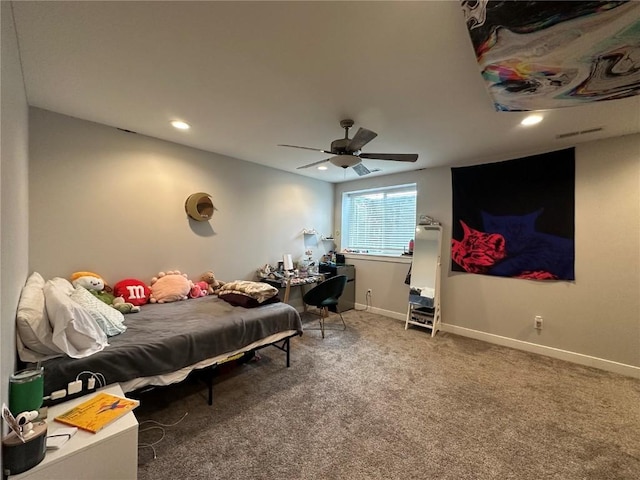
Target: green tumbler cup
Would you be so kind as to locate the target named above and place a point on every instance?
(26, 389)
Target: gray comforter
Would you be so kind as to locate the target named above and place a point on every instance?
(162, 338)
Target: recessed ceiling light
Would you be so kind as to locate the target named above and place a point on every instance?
(180, 125)
(531, 120)
(322, 167)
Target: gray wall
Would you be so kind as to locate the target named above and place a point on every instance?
(96, 198)
(597, 316)
(113, 202)
(14, 214)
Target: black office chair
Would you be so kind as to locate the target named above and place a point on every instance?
(325, 297)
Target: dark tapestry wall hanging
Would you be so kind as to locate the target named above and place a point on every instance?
(516, 218)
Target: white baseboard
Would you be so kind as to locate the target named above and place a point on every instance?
(579, 358)
(380, 311)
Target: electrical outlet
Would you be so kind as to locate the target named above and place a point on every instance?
(537, 322)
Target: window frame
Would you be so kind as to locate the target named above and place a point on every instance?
(390, 246)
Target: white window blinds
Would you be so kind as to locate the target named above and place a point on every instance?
(379, 221)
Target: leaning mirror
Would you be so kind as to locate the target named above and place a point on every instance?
(424, 284)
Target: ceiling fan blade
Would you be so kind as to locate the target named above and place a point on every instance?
(304, 148)
(362, 137)
(398, 157)
(361, 170)
(314, 163)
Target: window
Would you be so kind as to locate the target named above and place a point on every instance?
(379, 221)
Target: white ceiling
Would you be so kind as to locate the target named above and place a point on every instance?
(250, 75)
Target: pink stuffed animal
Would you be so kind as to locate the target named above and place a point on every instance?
(197, 291)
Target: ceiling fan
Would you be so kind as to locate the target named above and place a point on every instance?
(347, 152)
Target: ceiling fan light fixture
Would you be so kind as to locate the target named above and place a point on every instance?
(345, 161)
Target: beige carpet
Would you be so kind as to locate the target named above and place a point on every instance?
(379, 402)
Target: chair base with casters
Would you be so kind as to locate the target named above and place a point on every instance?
(325, 296)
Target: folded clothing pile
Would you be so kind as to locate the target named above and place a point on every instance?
(248, 294)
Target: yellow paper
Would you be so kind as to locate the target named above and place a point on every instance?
(97, 412)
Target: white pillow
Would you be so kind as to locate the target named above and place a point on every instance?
(74, 330)
(64, 285)
(35, 335)
(110, 320)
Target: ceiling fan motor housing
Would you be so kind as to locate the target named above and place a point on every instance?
(339, 147)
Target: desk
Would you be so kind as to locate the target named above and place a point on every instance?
(287, 283)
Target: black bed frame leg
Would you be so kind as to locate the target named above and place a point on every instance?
(210, 386)
(288, 349)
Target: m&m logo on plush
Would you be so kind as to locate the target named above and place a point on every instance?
(133, 291)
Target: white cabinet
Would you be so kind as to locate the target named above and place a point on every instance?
(110, 454)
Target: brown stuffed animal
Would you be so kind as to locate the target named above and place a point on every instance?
(213, 284)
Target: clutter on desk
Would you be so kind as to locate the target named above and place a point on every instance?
(267, 271)
(59, 437)
(11, 421)
(307, 266)
(304, 280)
(330, 257)
(25, 445)
(304, 271)
(291, 279)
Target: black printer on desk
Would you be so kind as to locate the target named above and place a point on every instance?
(329, 269)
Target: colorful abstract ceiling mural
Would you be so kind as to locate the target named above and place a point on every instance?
(551, 54)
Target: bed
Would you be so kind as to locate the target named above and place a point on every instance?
(163, 343)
